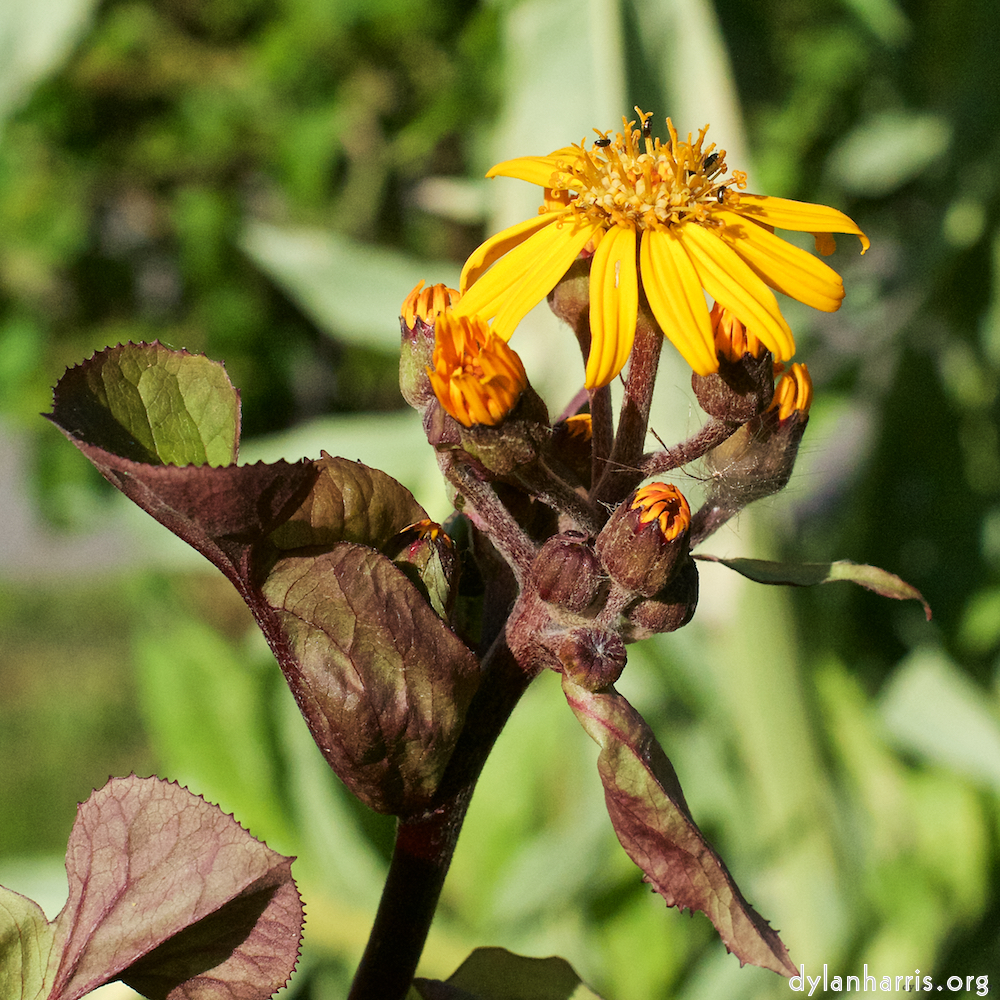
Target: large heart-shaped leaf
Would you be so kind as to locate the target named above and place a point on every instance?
(382, 681)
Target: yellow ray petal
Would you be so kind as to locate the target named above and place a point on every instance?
(529, 279)
(799, 216)
(675, 295)
(522, 278)
(496, 246)
(783, 266)
(614, 305)
(534, 169)
(732, 283)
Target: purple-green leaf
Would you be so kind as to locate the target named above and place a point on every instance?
(175, 898)
(498, 974)
(25, 945)
(654, 825)
(382, 681)
(809, 574)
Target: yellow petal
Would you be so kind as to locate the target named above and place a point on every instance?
(614, 305)
(521, 279)
(783, 266)
(553, 251)
(733, 284)
(534, 169)
(798, 216)
(675, 295)
(496, 246)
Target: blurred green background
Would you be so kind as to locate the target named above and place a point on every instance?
(264, 182)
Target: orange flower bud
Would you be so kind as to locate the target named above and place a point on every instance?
(644, 542)
(793, 394)
(476, 377)
(426, 304)
(744, 383)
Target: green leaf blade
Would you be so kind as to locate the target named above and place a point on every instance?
(872, 578)
(26, 939)
(150, 404)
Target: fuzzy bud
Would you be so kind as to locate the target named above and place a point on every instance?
(757, 461)
(592, 658)
(744, 384)
(672, 608)
(417, 319)
(646, 539)
(567, 573)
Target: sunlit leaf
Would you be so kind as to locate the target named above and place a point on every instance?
(25, 944)
(382, 681)
(150, 404)
(173, 897)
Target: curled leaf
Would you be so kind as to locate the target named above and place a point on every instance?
(809, 574)
(173, 897)
(654, 825)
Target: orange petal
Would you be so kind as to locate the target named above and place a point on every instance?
(731, 282)
(675, 295)
(784, 267)
(614, 305)
(798, 216)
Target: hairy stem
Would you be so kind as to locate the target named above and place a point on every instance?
(622, 473)
(707, 438)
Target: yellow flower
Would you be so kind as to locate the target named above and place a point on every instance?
(793, 393)
(476, 377)
(668, 215)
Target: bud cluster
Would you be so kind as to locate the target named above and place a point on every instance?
(597, 559)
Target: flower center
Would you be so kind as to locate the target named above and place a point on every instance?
(637, 180)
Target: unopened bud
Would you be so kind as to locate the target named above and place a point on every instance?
(758, 459)
(567, 573)
(744, 384)
(670, 609)
(418, 315)
(646, 538)
(592, 658)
